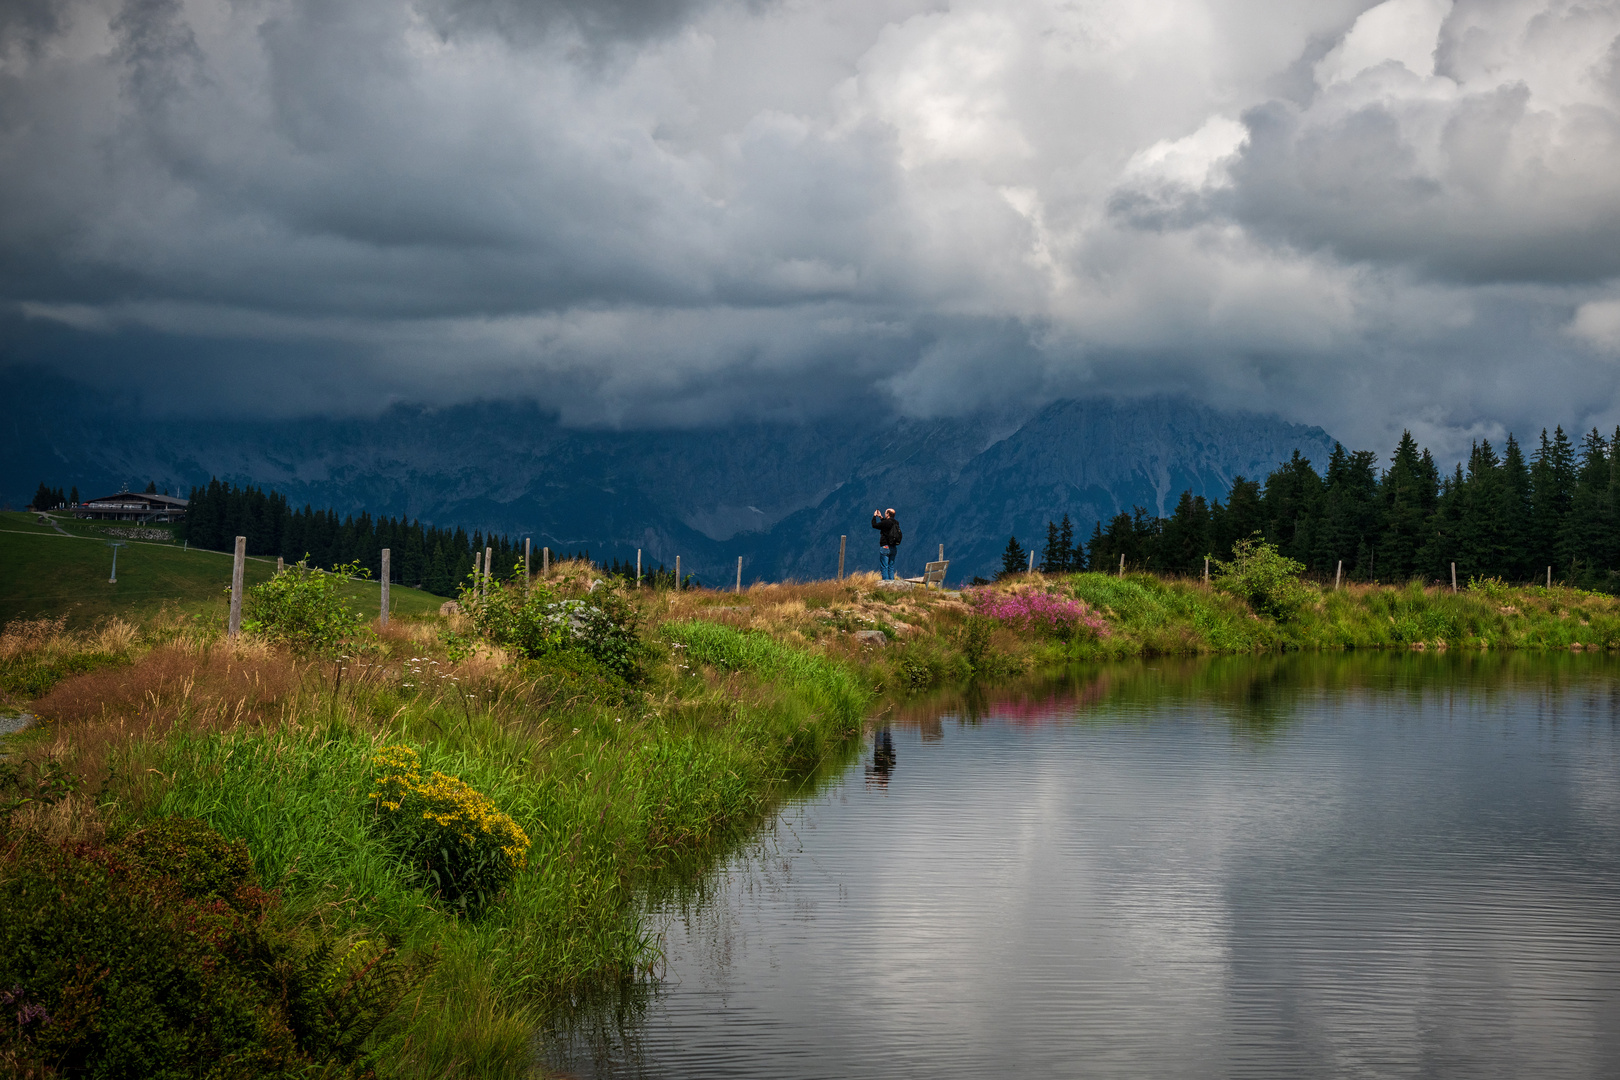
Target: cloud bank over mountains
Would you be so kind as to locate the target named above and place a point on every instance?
(1361, 216)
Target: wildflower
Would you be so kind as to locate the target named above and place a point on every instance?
(1039, 611)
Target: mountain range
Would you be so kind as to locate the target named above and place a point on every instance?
(778, 494)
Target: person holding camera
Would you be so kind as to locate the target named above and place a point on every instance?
(888, 527)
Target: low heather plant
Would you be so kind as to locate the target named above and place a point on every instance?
(1040, 612)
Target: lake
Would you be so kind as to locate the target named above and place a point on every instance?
(1383, 865)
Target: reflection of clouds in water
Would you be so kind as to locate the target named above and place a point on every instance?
(1408, 881)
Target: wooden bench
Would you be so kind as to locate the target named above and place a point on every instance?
(933, 574)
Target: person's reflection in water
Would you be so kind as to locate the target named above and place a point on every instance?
(882, 758)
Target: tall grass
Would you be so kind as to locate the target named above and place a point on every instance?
(611, 790)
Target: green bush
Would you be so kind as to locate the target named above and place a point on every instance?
(535, 622)
(304, 609)
(202, 864)
(1267, 580)
(462, 848)
(111, 967)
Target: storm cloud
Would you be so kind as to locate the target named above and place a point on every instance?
(1362, 216)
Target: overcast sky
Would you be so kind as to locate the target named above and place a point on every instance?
(1361, 216)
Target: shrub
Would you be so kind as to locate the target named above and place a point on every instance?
(202, 864)
(111, 967)
(534, 622)
(1267, 580)
(462, 847)
(304, 609)
(1041, 612)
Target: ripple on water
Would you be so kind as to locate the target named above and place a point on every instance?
(1398, 870)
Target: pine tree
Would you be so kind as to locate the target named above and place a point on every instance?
(1513, 513)
(1074, 559)
(1240, 519)
(1052, 559)
(1097, 554)
(1014, 560)
(1408, 499)
(1292, 505)
(1184, 537)
(1586, 536)
(42, 497)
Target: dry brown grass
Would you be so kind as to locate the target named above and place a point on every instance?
(35, 637)
(822, 612)
(97, 716)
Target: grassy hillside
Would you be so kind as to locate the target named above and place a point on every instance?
(44, 573)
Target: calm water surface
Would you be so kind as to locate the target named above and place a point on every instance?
(1346, 866)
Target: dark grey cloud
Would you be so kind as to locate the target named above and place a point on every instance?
(645, 213)
(594, 22)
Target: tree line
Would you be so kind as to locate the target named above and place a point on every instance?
(1499, 515)
(434, 559)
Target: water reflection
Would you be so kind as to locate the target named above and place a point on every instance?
(883, 756)
(1385, 865)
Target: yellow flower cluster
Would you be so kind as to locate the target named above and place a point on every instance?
(446, 802)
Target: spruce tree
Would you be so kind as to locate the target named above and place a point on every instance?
(1240, 519)
(1513, 513)
(1074, 559)
(1014, 559)
(1407, 493)
(1052, 554)
(1292, 505)
(1585, 539)
(1097, 554)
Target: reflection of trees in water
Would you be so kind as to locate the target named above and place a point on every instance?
(1262, 696)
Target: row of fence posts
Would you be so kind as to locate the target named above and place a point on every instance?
(483, 573)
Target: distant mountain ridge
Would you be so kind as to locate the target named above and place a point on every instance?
(777, 494)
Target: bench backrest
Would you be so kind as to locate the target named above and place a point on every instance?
(934, 573)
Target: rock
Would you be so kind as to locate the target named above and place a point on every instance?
(871, 637)
(449, 607)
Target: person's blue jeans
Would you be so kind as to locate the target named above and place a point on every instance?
(886, 563)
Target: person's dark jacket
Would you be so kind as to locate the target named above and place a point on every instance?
(889, 535)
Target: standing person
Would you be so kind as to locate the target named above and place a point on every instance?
(888, 527)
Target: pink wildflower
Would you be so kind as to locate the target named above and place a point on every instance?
(1040, 611)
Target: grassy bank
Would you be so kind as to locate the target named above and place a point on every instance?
(44, 574)
(615, 782)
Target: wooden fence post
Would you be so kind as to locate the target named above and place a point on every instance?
(1338, 574)
(739, 575)
(1453, 577)
(1549, 577)
(677, 573)
(478, 571)
(638, 568)
(1031, 561)
(1206, 569)
(489, 571)
(1122, 564)
(842, 540)
(528, 572)
(280, 566)
(942, 553)
(237, 568)
(545, 562)
(385, 575)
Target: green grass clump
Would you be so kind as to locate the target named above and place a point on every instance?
(1154, 616)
